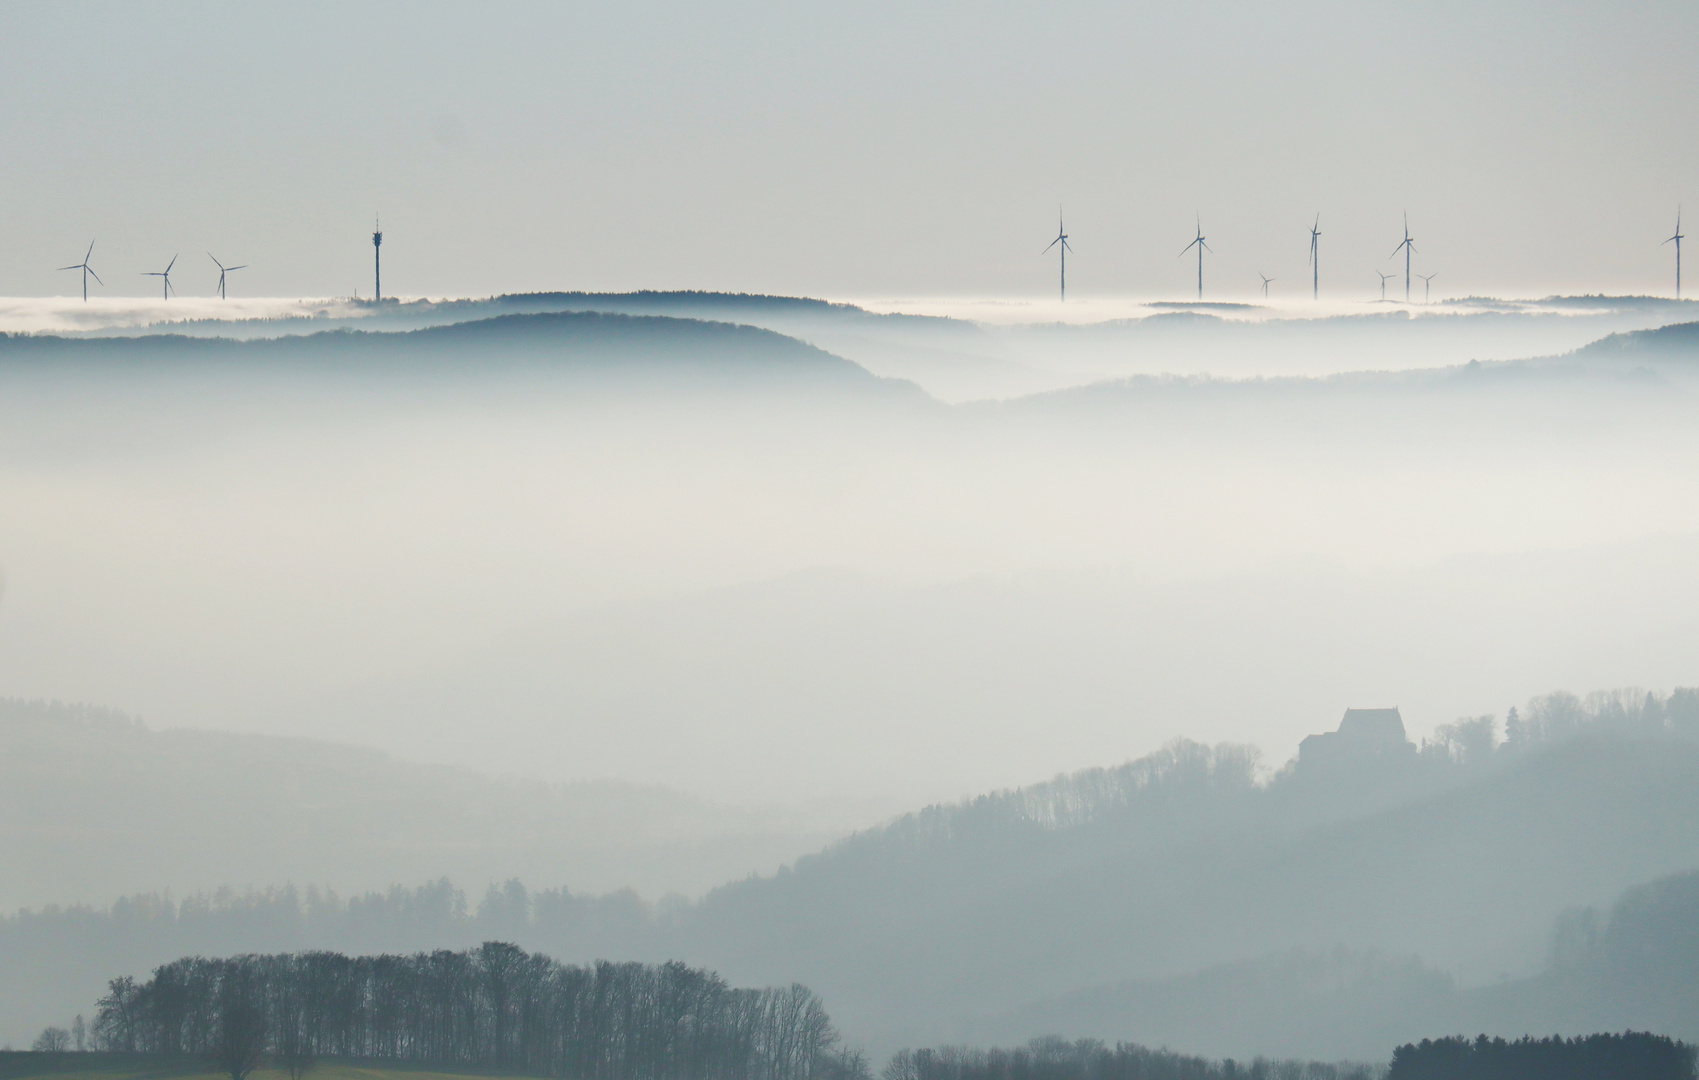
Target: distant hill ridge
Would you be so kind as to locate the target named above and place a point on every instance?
(1181, 863)
(1676, 341)
(1189, 893)
(562, 339)
(131, 801)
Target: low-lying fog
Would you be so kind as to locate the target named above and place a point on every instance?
(857, 592)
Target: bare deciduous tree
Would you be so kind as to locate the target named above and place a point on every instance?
(239, 1045)
(53, 1040)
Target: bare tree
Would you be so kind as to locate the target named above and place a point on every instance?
(53, 1040)
(115, 1025)
(240, 1043)
(294, 1052)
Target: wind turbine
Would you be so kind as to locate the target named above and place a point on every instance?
(166, 274)
(1265, 280)
(1406, 247)
(84, 267)
(1427, 283)
(1315, 262)
(1061, 238)
(1383, 278)
(1677, 238)
(222, 270)
(377, 260)
(1202, 247)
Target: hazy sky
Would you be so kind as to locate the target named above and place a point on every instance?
(876, 149)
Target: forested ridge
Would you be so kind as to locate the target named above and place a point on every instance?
(696, 353)
(1457, 851)
(1117, 900)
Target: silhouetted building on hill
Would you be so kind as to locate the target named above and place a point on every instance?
(1364, 736)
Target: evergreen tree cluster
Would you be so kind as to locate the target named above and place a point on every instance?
(1629, 1056)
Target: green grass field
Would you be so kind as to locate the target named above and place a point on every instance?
(25, 1066)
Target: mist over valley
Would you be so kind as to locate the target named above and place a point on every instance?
(883, 542)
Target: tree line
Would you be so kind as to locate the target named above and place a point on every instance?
(1055, 1058)
(1629, 1056)
(496, 1005)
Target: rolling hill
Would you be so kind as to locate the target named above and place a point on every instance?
(94, 805)
(920, 931)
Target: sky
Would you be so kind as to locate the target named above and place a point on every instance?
(911, 157)
(877, 150)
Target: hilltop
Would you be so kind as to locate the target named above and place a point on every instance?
(186, 810)
(582, 342)
(1180, 863)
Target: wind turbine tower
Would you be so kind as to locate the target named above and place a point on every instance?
(1059, 240)
(1202, 247)
(84, 267)
(1315, 261)
(166, 274)
(1265, 280)
(1406, 247)
(1677, 238)
(1383, 277)
(222, 270)
(1427, 284)
(377, 260)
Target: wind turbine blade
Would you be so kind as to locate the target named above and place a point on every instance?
(79, 266)
(1053, 243)
(170, 264)
(215, 262)
(244, 266)
(95, 276)
(90, 250)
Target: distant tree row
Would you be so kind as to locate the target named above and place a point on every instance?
(1560, 716)
(146, 928)
(1629, 1056)
(492, 1006)
(1054, 1058)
